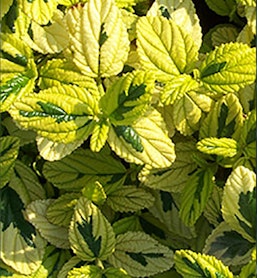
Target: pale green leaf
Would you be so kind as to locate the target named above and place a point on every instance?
(192, 265)
(26, 183)
(99, 136)
(228, 68)
(225, 147)
(62, 71)
(4, 7)
(246, 35)
(228, 246)
(129, 198)
(167, 114)
(222, 7)
(52, 151)
(172, 179)
(49, 39)
(87, 271)
(250, 13)
(130, 223)
(82, 167)
(18, 234)
(239, 202)
(100, 39)
(11, 244)
(177, 87)
(247, 2)
(39, 11)
(60, 211)
(128, 98)
(112, 272)
(94, 192)
(157, 50)
(195, 195)
(187, 111)
(247, 97)
(158, 149)
(91, 235)
(9, 150)
(182, 13)
(224, 120)
(56, 235)
(140, 255)
(61, 113)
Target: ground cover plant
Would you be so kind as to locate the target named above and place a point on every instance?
(127, 143)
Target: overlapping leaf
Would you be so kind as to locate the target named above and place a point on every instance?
(129, 198)
(9, 148)
(148, 142)
(165, 47)
(56, 235)
(228, 68)
(100, 40)
(224, 120)
(39, 11)
(18, 234)
(195, 195)
(140, 255)
(128, 98)
(225, 147)
(82, 167)
(91, 235)
(228, 245)
(222, 7)
(61, 113)
(190, 264)
(174, 178)
(182, 13)
(4, 7)
(239, 201)
(18, 71)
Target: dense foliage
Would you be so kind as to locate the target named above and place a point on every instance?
(127, 139)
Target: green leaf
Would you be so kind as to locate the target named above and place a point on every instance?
(190, 264)
(83, 167)
(4, 7)
(62, 113)
(224, 120)
(224, 33)
(18, 234)
(249, 270)
(39, 11)
(60, 211)
(228, 246)
(112, 272)
(129, 198)
(140, 255)
(56, 235)
(87, 271)
(225, 147)
(222, 7)
(99, 136)
(69, 265)
(9, 149)
(228, 68)
(182, 13)
(130, 223)
(239, 201)
(157, 50)
(128, 98)
(195, 195)
(98, 29)
(91, 235)
(158, 149)
(173, 178)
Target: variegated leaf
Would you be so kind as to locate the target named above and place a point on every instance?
(91, 235)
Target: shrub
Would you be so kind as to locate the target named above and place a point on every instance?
(127, 139)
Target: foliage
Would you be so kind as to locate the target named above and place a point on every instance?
(127, 139)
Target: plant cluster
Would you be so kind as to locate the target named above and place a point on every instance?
(127, 143)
